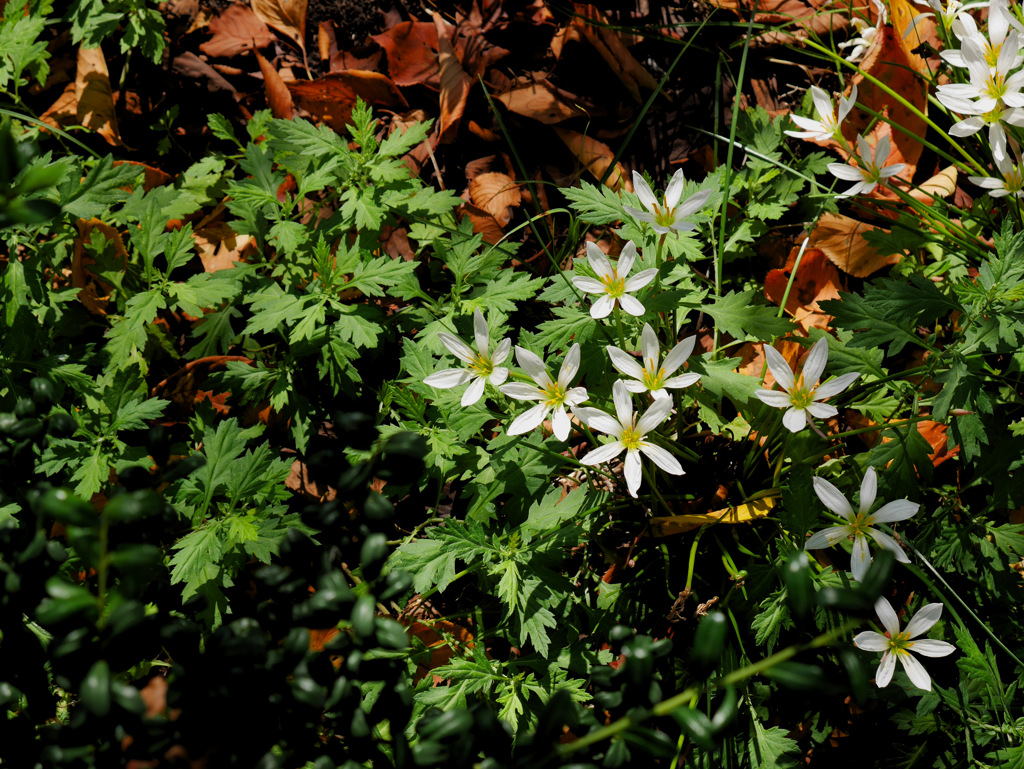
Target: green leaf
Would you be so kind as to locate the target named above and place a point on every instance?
(197, 560)
(221, 128)
(771, 748)
(128, 334)
(102, 188)
(21, 50)
(595, 205)
(737, 316)
(503, 292)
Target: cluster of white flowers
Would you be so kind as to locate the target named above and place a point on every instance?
(557, 398)
(992, 96)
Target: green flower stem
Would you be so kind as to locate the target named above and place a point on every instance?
(693, 556)
(789, 283)
(618, 327)
(665, 707)
(886, 426)
(654, 487)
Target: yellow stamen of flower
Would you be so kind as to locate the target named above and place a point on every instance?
(554, 395)
(614, 285)
(631, 438)
(482, 366)
(653, 379)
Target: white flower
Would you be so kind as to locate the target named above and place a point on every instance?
(866, 33)
(553, 395)
(860, 525)
(827, 126)
(1009, 182)
(995, 119)
(896, 644)
(671, 215)
(652, 377)
(949, 11)
(630, 435)
(991, 86)
(612, 281)
(1000, 21)
(869, 172)
(801, 397)
(481, 366)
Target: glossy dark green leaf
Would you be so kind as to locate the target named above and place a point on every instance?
(95, 689)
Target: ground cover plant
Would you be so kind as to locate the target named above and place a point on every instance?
(383, 387)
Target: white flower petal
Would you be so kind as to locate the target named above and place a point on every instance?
(832, 498)
(632, 472)
(624, 362)
(774, 398)
(929, 648)
(481, 333)
(623, 403)
(561, 424)
(923, 621)
(780, 369)
(604, 453)
(631, 305)
(897, 510)
(662, 458)
(641, 279)
(795, 419)
(821, 410)
(691, 205)
(677, 355)
(574, 396)
(643, 191)
(886, 668)
(533, 366)
(654, 416)
(474, 392)
(814, 363)
(845, 172)
(868, 489)
(887, 616)
(871, 641)
(602, 308)
(502, 352)
(915, 671)
(599, 262)
(674, 191)
(449, 377)
(529, 420)
(522, 391)
(457, 347)
(626, 259)
(650, 347)
(642, 216)
(889, 544)
(860, 558)
(498, 375)
(598, 420)
(590, 285)
(683, 380)
(826, 537)
(835, 386)
(635, 386)
(570, 366)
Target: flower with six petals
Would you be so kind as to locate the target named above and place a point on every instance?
(870, 170)
(671, 215)
(612, 282)
(654, 378)
(894, 644)
(860, 524)
(554, 395)
(630, 436)
(802, 396)
(481, 366)
(828, 125)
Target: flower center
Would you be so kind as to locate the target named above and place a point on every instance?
(860, 525)
(800, 397)
(654, 377)
(900, 642)
(554, 395)
(631, 438)
(614, 286)
(995, 87)
(1014, 179)
(482, 366)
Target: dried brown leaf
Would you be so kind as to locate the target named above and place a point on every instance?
(497, 194)
(455, 85)
(541, 101)
(331, 97)
(596, 157)
(235, 30)
(842, 240)
(278, 96)
(411, 49)
(286, 16)
(88, 101)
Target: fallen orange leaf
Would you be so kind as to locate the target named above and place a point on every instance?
(235, 30)
(278, 96)
(455, 85)
(286, 16)
(330, 98)
(816, 280)
(541, 101)
(411, 51)
(88, 101)
(842, 240)
(497, 194)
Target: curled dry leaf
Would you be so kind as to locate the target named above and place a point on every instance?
(88, 101)
(541, 101)
(939, 187)
(331, 97)
(220, 247)
(455, 85)
(483, 222)
(235, 30)
(497, 194)
(817, 279)
(596, 157)
(278, 96)
(286, 16)
(842, 240)
(411, 49)
(914, 29)
(749, 512)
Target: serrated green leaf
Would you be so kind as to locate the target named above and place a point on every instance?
(736, 315)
